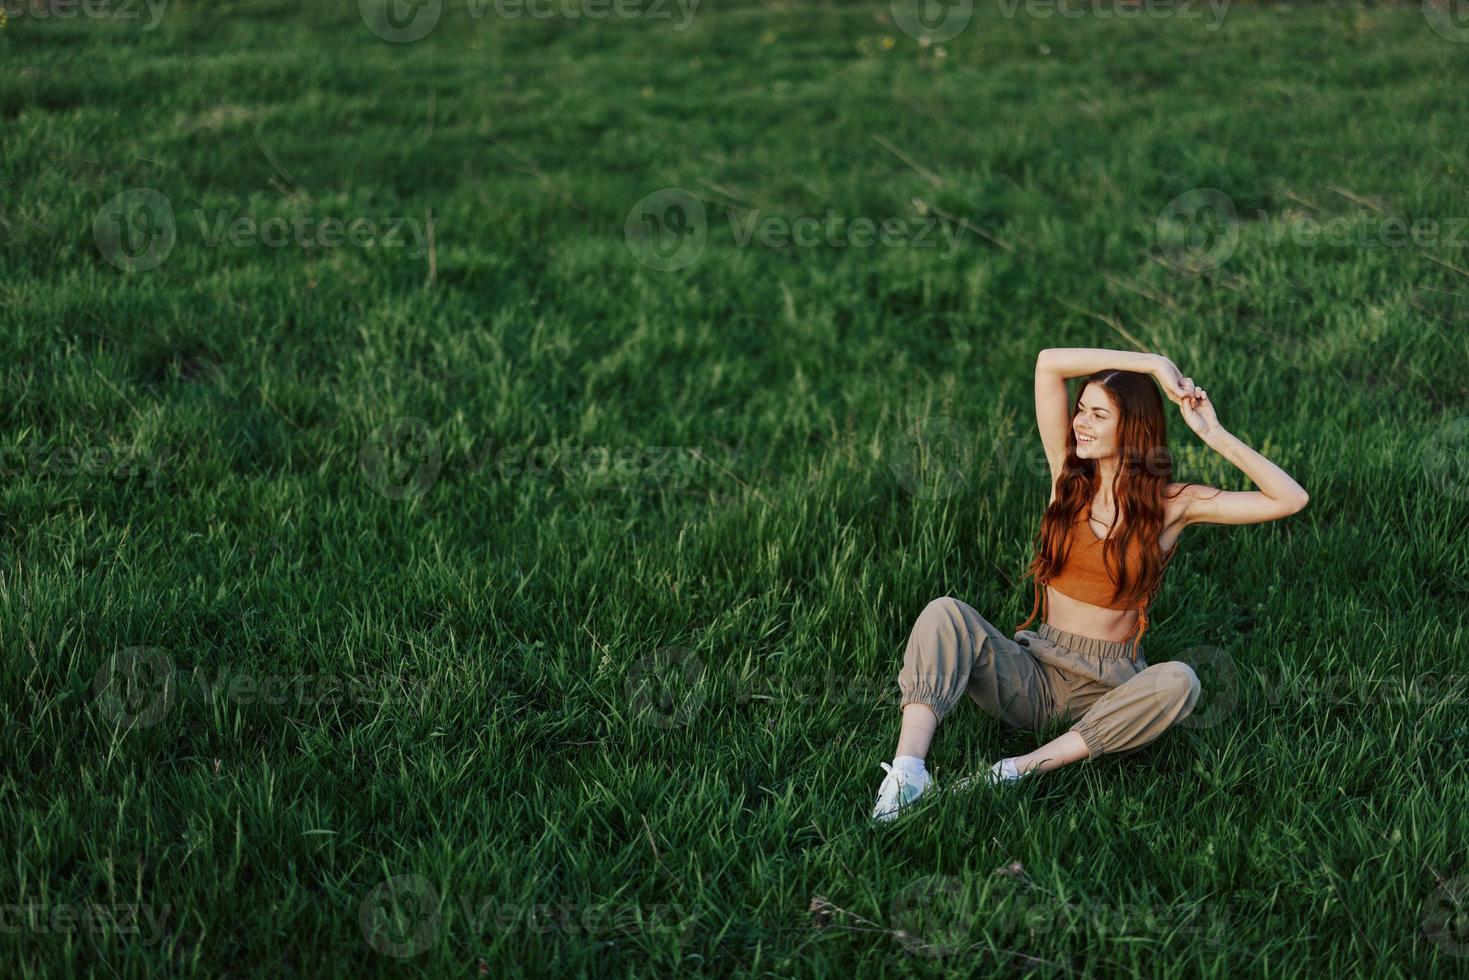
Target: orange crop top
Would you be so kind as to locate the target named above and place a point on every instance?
(1085, 578)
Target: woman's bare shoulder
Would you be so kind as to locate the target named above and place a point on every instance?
(1175, 501)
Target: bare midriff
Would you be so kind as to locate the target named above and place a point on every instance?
(1084, 619)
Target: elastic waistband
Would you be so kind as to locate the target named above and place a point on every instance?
(1077, 643)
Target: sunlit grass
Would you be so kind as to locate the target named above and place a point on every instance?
(587, 666)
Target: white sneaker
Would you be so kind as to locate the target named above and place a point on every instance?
(898, 790)
(1000, 773)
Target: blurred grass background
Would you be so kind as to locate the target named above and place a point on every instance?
(613, 720)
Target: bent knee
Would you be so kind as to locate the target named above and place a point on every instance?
(1178, 680)
(946, 607)
(944, 613)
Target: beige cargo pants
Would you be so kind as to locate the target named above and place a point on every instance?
(1042, 675)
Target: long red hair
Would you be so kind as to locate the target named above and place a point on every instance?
(1144, 470)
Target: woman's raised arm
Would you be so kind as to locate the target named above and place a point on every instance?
(1073, 362)
(1279, 494)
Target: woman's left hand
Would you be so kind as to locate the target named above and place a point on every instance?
(1198, 412)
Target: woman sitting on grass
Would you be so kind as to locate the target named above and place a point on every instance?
(1110, 497)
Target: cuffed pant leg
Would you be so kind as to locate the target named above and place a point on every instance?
(1139, 710)
(953, 650)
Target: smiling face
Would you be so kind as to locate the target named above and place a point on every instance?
(1095, 423)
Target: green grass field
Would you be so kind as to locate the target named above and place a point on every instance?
(465, 498)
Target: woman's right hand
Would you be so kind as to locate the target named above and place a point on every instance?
(1175, 385)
